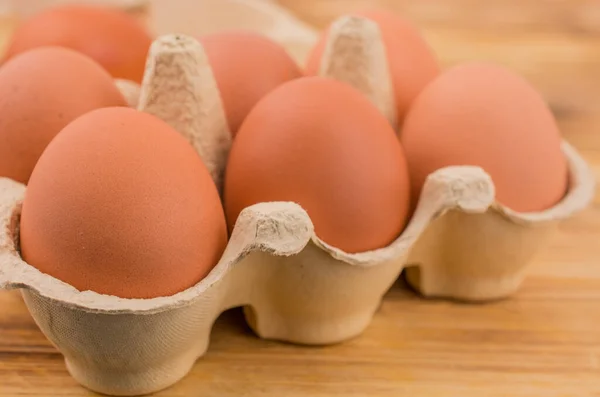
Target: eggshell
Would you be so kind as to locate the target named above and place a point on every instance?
(412, 62)
(42, 91)
(113, 38)
(484, 115)
(320, 143)
(121, 204)
(246, 66)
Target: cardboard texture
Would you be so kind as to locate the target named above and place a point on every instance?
(459, 244)
(355, 54)
(130, 90)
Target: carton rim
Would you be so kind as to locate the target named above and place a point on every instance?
(284, 229)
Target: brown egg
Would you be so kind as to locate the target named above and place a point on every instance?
(246, 66)
(42, 91)
(320, 143)
(116, 40)
(483, 115)
(412, 62)
(121, 204)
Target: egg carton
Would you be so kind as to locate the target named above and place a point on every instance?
(31, 7)
(459, 244)
(197, 18)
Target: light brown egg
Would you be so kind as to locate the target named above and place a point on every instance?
(411, 60)
(121, 204)
(41, 91)
(320, 143)
(246, 66)
(116, 40)
(483, 115)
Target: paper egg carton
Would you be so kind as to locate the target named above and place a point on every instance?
(459, 244)
(197, 18)
(25, 8)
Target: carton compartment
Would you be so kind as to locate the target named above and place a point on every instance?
(459, 244)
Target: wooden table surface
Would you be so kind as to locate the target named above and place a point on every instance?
(543, 342)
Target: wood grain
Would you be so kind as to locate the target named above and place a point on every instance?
(543, 342)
